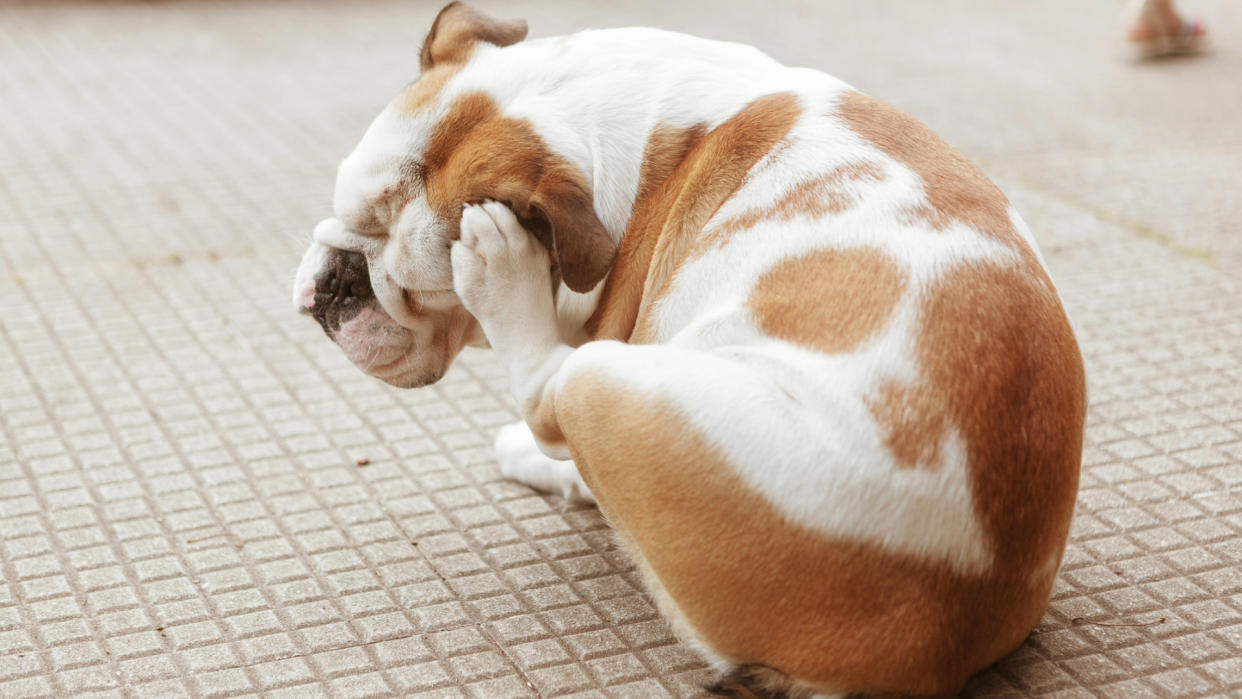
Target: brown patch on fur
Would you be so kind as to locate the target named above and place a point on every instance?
(998, 350)
(666, 148)
(666, 223)
(956, 189)
(914, 422)
(458, 28)
(477, 153)
(834, 614)
(426, 89)
(829, 300)
(623, 292)
(818, 196)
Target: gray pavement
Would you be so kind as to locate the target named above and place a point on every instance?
(181, 507)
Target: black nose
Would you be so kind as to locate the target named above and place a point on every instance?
(341, 290)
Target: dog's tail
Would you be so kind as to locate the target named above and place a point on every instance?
(763, 682)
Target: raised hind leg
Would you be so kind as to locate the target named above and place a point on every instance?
(762, 514)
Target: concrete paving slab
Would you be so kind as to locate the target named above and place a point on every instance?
(182, 509)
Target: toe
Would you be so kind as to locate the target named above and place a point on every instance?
(476, 223)
(506, 222)
(466, 265)
(473, 220)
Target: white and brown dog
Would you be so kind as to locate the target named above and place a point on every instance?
(804, 355)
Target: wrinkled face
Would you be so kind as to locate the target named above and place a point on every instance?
(334, 286)
(378, 276)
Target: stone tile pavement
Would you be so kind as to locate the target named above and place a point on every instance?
(182, 506)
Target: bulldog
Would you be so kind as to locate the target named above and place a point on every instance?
(804, 355)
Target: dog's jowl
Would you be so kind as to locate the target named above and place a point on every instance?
(805, 356)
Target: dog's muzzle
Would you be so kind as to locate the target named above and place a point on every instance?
(342, 290)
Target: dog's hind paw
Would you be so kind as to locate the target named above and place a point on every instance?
(521, 460)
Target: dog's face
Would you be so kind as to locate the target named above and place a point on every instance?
(378, 276)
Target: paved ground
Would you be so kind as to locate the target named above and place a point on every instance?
(181, 508)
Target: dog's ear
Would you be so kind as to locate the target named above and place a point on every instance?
(561, 216)
(458, 28)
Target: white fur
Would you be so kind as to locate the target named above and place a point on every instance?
(313, 260)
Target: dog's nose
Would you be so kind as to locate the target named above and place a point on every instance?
(341, 290)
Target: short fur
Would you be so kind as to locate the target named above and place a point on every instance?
(804, 355)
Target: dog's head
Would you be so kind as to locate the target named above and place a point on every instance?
(377, 276)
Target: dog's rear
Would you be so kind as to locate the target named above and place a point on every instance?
(853, 467)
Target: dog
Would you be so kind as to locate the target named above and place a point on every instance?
(805, 356)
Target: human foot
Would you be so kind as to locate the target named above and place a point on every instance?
(1158, 30)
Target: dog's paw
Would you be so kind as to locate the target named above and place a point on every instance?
(521, 460)
(502, 275)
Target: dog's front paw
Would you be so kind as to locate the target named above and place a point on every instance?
(502, 275)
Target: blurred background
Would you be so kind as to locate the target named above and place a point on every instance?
(182, 509)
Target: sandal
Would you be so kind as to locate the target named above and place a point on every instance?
(1185, 38)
